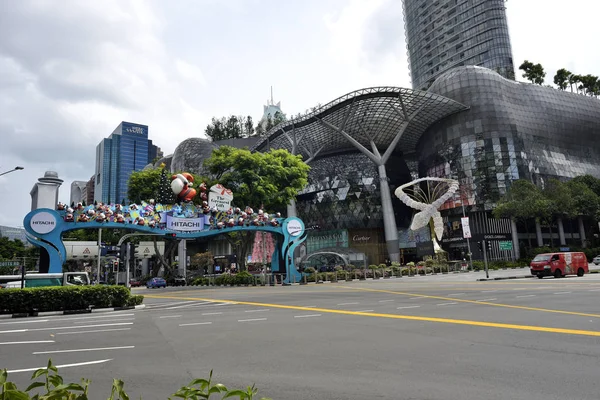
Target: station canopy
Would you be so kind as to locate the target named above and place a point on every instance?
(372, 116)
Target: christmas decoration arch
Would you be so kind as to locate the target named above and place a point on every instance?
(184, 220)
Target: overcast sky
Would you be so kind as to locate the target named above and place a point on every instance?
(70, 71)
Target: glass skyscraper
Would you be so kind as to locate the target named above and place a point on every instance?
(126, 150)
(443, 34)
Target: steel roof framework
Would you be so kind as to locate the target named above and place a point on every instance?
(376, 121)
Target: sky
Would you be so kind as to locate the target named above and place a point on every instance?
(71, 71)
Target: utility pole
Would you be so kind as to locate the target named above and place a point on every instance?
(99, 251)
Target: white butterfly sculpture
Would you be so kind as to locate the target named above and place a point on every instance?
(428, 211)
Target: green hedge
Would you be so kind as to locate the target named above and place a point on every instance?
(64, 298)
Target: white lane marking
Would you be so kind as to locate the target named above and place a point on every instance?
(112, 315)
(104, 320)
(415, 298)
(488, 291)
(257, 310)
(188, 305)
(307, 316)
(595, 290)
(347, 304)
(455, 294)
(445, 304)
(363, 311)
(210, 305)
(253, 319)
(93, 331)
(196, 323)
(167, 304)
(169, 316)
(386, 301)
(562, 293)
(56, 328)
(525, 295)
(486, 300)
(402, 308)
(212, 313)
(23, 322)
(13, 371)
(28, 342)
(79, 350)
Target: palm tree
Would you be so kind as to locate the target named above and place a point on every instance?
(561, 78)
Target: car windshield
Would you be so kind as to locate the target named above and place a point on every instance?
(541, 257)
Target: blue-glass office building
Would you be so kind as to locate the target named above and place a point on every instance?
(126, 150)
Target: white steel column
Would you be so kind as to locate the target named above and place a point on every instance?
(515, 238)
(538, 232)
(582, 232)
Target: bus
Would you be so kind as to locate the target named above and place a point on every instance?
(40, 280)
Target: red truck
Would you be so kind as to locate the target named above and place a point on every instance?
(559, 265)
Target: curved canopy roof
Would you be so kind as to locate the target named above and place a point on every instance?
(372, 116)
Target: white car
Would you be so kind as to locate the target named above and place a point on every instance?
(596, 260)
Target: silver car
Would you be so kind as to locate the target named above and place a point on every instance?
(596, 260)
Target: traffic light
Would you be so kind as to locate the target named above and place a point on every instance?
(171, 235)
(489, 245)
(115, 265)
(123, 251)
(480, 245)
(135, 251)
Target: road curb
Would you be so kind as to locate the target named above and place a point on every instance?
(505, 278)
(71, 312)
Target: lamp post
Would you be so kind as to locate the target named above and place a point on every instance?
(12, 170)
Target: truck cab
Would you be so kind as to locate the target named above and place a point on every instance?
(559, 265)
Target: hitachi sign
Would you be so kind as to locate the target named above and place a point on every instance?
(43, 223)
(188, 224)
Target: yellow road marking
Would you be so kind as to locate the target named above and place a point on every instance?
(396, 316)
(426, 296)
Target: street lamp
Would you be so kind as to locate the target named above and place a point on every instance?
(12, 170)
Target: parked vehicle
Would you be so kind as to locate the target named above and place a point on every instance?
(156, 283)
(596, 260)
(559, 265)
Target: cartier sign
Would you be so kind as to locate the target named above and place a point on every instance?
(361, 239)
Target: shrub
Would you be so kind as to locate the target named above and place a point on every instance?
(410, 264)
(52, 386)
(64, 298)
(135, 300)
(243, 278)
(429, 263)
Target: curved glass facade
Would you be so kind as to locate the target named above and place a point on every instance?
(511, 131)
(444, 34)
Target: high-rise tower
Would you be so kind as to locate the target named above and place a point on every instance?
(126, 150)
(443, 34)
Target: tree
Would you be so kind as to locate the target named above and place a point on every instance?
(590, 85)
(269, 123)
(561, 79)
(573, 80)
(533, 72)
(142, 184)
(268, 180)
(232, 127)
(202, 261)
(523, 201)
(164, 193)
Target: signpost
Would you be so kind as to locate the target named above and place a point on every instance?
(506, 245)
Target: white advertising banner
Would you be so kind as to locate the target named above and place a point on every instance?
(185, 224)
(465, 227)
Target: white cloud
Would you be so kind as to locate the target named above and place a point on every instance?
(190, 72)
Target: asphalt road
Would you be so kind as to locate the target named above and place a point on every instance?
(411, 338)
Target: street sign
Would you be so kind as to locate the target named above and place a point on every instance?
(9, 263)
(565, 249)
(425, 249)
(506, 245)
